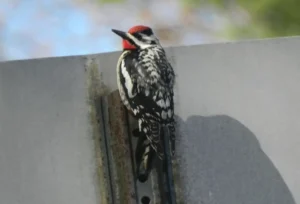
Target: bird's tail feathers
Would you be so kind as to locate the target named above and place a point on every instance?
(144, 158)
(154, 133)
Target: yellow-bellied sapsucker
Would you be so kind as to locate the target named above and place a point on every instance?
(146, 81)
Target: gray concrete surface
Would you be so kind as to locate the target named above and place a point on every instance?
(46, 153)
(237, 107)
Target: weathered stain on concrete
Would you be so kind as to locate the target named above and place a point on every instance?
(120, 151)
(95, 90)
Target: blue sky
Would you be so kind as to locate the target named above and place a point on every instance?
(43, 28)
(64, 28)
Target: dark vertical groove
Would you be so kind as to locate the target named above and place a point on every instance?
(131, 155)
(161, 181)
(168, 165)
(102, 110)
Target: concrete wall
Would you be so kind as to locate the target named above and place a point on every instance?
(237, 107)
(45, 149)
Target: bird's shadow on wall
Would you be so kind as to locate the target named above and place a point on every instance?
(221, 162)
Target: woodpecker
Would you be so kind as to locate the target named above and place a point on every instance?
(146, 81)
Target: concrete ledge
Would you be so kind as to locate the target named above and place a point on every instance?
(238, 113)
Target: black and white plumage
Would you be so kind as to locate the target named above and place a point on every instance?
(145, 81)
(144, 157)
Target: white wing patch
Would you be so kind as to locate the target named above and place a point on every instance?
(135, 111)
(128, 82)
(161, 103)
(167, 104)
(120, 87)
(164, 115)
(147, 92)
(169, 113)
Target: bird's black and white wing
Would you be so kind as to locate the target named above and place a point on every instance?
(145, 81)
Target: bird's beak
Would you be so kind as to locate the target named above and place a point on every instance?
(122, 34)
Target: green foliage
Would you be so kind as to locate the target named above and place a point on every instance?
(269, 18)
(191, 3)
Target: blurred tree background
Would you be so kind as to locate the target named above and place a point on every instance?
(43, 28)
(267, 18)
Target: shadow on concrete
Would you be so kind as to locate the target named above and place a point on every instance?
(222, 163)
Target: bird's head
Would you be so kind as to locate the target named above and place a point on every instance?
(137, 37)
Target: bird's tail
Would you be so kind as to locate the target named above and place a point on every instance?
(149, 145)
(154, 133)
(152, 130)
(144, 155)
